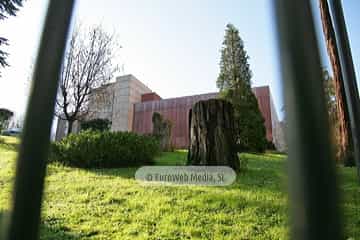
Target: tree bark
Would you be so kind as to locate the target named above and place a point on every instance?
(162, 130)
(345, 152)
(212, 138)
(70, 127)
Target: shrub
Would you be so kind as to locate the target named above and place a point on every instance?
(5, 116)
(244, 161)
(96, 149)
(96, 124)
(270, 146)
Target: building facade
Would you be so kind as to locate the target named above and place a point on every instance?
(129, 105)
(114, 101)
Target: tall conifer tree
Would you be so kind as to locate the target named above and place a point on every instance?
(234, 82)
(7, 8)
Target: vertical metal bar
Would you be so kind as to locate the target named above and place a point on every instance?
(312, 183)
(348, 73)
(31, 163)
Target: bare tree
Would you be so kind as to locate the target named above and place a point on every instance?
(345, 149)
(88, 64)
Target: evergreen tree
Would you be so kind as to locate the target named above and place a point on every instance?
(7, 8)
(234, 82)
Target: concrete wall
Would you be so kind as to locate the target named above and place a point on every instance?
(101, 102)
(113, 101)
(127, 91)
(278, 131)
(62, 128)
(280, 137)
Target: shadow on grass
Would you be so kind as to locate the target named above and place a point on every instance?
(57, 233)
(53, 232)
(127, 173)
(264, 171)
(176, 158)
(264, 174)
(261, 180)
(9, 146)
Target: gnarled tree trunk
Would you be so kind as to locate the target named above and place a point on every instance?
(162, 130)
(345, 152)
(212, 138)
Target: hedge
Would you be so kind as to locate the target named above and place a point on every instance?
(104, 149)
(96, 124)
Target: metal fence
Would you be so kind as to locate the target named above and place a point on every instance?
(313, 188)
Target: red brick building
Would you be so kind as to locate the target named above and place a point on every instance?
(129, 105)
(177, 111)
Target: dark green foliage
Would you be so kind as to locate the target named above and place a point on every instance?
(3, 54)
(96, 124)
(249, 123)
(234, 82)
(270, 146)
(244, 162)
(234, 68)
(96, 149)
(7, 8)
(5, 116)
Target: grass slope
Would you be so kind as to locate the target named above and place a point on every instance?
(110, 204)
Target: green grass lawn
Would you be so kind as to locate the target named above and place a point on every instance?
(110, 204)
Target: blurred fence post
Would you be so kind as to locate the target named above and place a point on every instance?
(312, 182)
(33, 152)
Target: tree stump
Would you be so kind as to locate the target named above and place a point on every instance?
(212, 134)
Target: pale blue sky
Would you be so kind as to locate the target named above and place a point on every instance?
(172, 46)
